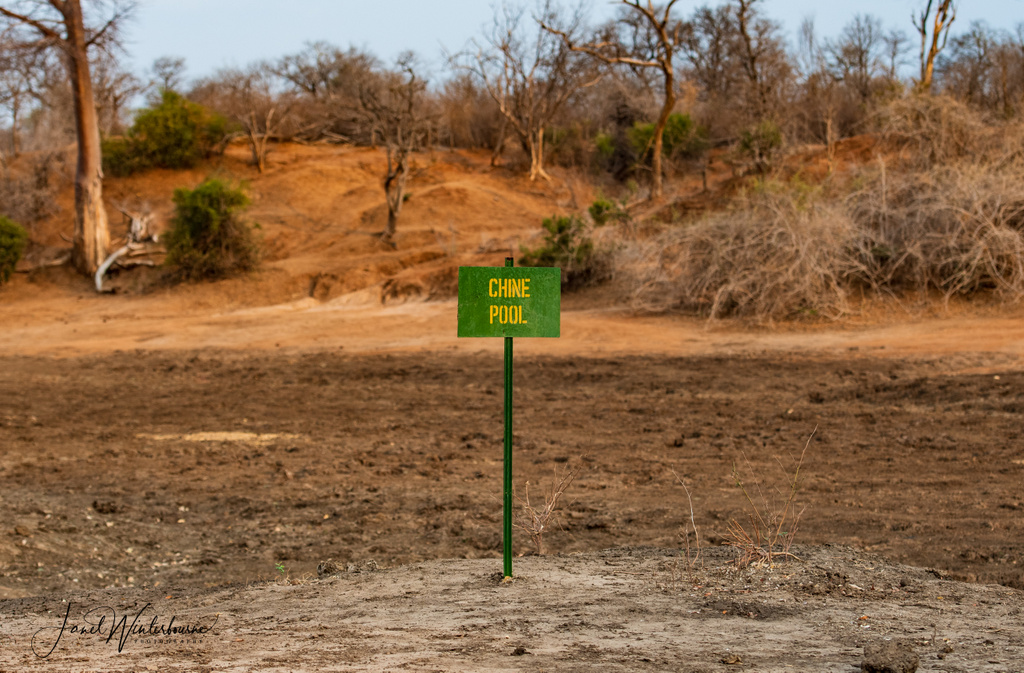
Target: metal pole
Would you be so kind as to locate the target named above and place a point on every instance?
(507, 538)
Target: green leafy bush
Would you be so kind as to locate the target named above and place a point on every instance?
(680, 139)
(177, 133)
(604, 144)
(569, 146)
(121, 158)
(760, 143)
(602, 211)
(13, 239)
(568, 245)
(208, 239)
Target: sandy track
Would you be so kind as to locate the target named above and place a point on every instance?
(86, 324)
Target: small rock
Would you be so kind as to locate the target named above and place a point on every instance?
(889, 656)
(106, 507)
(327, 568)
(732, 660)
(520, 651)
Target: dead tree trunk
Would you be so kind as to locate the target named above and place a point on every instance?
(668, 102)
(536, 143)
(258, 138)
(91, 231)
(65, 28)
(394, 189)
(945, 14)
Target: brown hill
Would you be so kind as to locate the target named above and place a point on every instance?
(319, 207)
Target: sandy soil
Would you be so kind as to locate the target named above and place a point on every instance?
(196, 453)
(623, 610)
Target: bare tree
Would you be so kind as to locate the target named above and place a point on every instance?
(1008, 74)
(967, 72)
(326, 72)
(113, 88)
(895, 43)
(821, 101)
(530, 76)
(707, 45)
(984, 67)
(855, 58)
(326, 82)
(168, 72)
(471, 117)
(60, 24)
(21, 76)
(945, 14)
(392, 103)
(763, 57)
(645, 37)
(250, 97)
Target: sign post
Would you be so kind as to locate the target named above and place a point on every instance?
(496, 301)
(506, 537)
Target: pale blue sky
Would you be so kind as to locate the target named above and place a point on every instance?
(216, 33)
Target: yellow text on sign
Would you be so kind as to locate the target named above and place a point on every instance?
(509, 287)
(508, 301)
(506, 315)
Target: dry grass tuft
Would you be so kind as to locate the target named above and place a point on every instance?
(772, 519)
(694, 557)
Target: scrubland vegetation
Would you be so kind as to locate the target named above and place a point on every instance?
(640, 108)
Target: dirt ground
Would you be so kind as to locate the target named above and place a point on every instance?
(195, 453)
(202, 468)
(131, 476)
(619, 610)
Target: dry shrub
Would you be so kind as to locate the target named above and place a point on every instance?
(958, 229)
(28, 192)
(932, 130)
(535, 519)
(777, 254)
(946, 215)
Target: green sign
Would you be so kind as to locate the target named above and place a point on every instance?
(505, 301)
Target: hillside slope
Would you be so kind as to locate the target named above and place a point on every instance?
(318, 208)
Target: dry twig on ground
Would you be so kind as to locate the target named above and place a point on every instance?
(694, 559)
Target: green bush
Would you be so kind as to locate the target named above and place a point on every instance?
(567, 245)
(177, 133)
(602, 211)
(569, 146)
(604, 144)
(760, 143)
(13, 239)
(207, 238)
(120, 157)
(680, 139)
